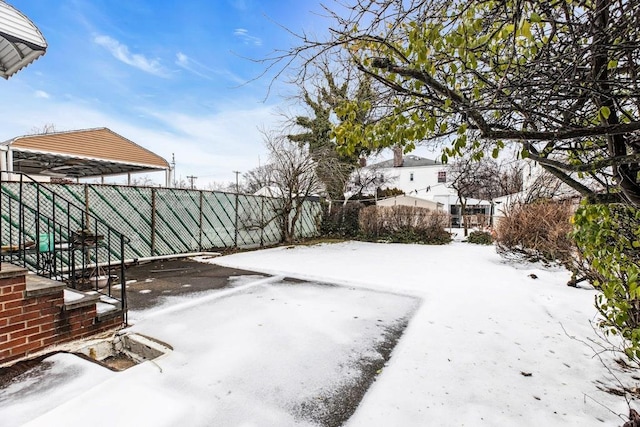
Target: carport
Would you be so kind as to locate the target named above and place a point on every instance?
(88, 153)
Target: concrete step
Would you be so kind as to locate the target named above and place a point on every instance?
(40, 286)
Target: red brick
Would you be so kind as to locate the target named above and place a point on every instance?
(49, 310)
(43, 303)
(24, 332)
(12, 312)
(11, 296)
(16, 282)
(30, 302)
(13, 281)
(51, 340)
(26, 348)
(40, 336)
(12, 327)
(19, 287)
(4, 337)
(49, 326)
(16, 342)
(25, 317)
(12, 304)
(41, 320)
(4, 322)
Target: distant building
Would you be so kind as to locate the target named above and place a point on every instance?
(426, 179)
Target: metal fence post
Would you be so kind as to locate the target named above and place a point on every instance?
(153, 221)
(201, 224)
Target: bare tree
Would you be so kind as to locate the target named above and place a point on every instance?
(545, 186)
(228, 187)
(511, 177)
(292, 176)
(471, 178)
(142, 181)
(257, 178)
(44, 129)
(367, 180)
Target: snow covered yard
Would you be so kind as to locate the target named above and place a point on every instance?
(486, 344)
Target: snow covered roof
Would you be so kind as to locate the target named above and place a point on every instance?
(21, 42)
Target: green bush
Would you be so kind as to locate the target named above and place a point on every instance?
(608, 237)
(480, 238)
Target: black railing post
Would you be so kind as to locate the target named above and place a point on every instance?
(21, 225)
(123, 282)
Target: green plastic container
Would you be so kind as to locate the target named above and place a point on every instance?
(45, 242)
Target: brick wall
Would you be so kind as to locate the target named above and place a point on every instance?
(30, 323)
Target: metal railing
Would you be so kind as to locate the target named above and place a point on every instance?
(59, 239)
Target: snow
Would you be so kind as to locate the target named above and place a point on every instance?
(258, 352)
(70, 296)
(102, 308)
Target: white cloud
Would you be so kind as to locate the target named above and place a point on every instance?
(201, 70)
(183, 61)
(42, 94)
(244, 35)
(209, 146)
(121, 52)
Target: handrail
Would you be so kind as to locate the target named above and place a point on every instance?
(47, 237)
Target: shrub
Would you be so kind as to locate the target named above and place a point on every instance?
(538, 231)
(403, 224)
(608, 237)
(480, 238)
(341, 220)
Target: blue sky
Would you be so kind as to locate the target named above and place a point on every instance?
(169, 75)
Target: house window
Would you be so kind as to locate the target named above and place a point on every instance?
(442, 176)
(411, 176)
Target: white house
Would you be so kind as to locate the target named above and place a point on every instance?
(416, 176)
(427, 179)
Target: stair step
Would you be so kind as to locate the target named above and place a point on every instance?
(39, 286)
(75, 299)
(108, 308)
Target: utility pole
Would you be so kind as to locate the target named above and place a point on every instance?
(191, 179)
(173, 169)
(236, 220)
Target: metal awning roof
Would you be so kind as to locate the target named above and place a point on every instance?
(81, 154)
(21, 42)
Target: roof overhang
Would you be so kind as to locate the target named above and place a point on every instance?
(59, 165)
(21, 42)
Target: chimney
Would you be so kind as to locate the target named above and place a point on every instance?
(397, 156)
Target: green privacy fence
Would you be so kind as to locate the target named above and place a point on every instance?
(166, 221)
